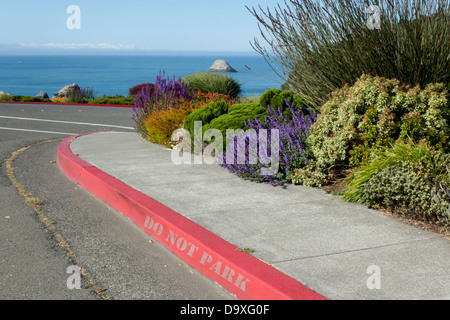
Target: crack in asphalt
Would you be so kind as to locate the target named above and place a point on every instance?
(48, 223)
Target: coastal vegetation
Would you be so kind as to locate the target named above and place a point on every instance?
(76, 98)
(206, 82)
(363, 113)
(8, 97)
(319, 46)
(117, 99)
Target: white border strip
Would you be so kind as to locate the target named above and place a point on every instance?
(40, 131)
(69, 122)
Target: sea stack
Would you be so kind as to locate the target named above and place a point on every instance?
(43, 95)
(221, 66)
(65, 91)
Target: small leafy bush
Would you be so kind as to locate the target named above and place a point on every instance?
(27, 99)
(237, 114)
(283, 100)
(138, 88)
(372, 114)
(435, 162)
(20, 98)
(403, 178)
(113, 100)
(5, 96)
(161, 124)
(402, 188)
(205, 114)
(206, 82)
(236, 117)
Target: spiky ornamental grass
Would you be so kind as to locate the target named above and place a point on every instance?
(435, 162)
(408, 178)
(318, 46)
(213, 82)
(80, 95)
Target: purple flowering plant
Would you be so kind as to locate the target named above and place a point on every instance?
(294, 152)
(163, 94)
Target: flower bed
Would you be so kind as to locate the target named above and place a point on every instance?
(352, 131)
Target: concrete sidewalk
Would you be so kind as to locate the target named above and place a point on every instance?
(337, 249)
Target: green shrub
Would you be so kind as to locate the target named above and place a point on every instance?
(236, 117)
(113, 100)
(277, 98)
(5, 96)
(317, 46)
(403, 188)
(28, 99)
(19, 98)
(205, 115)
(372, 114)
(138, 88)
(215, 116)
(161, 124)
(433, 162)
(403, 178)
(206, 82)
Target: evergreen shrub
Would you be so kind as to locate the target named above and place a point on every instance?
(372, 114)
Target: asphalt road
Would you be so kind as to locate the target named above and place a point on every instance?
(74, 228)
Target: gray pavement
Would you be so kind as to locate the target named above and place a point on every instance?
(338, 249)
(33, 266)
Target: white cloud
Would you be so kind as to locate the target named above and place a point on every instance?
(78, 46)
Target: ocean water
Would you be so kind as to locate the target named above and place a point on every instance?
(111, 75)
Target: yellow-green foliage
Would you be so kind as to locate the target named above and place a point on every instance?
(161, 124)
(371, 115)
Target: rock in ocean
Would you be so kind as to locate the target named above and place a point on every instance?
(221, 66)
(64, 91)
(42, 95)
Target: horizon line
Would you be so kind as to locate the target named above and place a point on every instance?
(137, 52)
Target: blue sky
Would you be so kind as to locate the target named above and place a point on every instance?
(173, 25)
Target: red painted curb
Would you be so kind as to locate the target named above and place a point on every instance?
(239, 272)
(72, 104)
